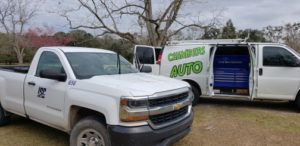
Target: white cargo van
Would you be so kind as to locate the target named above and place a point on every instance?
(232, 68)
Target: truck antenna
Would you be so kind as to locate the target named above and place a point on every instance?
(118, 60)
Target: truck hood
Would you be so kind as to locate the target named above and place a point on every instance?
(137, 84)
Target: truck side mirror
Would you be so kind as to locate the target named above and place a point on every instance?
(146, 69)
(49, 74)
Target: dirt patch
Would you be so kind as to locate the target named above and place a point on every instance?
(216, 122)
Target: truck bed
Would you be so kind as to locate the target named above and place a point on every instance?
(17, 69)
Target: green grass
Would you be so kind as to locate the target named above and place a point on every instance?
(273, 121)
(215, 123)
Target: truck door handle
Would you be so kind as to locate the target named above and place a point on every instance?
(260, 71)
(31, 83)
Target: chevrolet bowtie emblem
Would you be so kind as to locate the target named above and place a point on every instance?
(177, 106)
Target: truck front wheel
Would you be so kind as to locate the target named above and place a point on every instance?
(3, 118)
(89, 131)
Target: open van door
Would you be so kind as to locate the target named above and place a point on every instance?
(146, 56)
(210, 70)
(253, 72)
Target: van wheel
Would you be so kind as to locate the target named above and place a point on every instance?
(196, 95)
(89, 131)
(4, 120)
(297, 101)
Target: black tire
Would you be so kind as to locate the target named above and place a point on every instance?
(94, 125)
(297, 101)
(4, 120)
(196, 93)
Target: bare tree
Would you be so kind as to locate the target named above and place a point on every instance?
(292, 35)
(273, 33)
(14, 16)
(160, 24)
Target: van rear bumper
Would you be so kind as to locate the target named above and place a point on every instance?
(146, 136)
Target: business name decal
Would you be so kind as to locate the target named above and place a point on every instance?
(186, 68)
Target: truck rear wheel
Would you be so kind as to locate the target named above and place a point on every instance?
(3, 118)
(89, 131)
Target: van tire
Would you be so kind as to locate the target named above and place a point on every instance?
(196, 93)
(91, 127)
(4, 120)
(297, 101)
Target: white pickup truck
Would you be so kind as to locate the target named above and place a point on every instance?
(97, 97)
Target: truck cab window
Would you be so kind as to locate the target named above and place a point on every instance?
(279, 57)
(145, 55)
(49, 61)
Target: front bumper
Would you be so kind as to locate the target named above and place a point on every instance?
(146, 136)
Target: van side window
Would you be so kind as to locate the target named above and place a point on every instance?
(280, 57)
(145, 55)
(49, 61)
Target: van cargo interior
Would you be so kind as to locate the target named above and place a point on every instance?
(232, 70)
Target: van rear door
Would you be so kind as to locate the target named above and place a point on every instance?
(146, 56)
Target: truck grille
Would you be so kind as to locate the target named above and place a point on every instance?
(168, 100)
(170, 116)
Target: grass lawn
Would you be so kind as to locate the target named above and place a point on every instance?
(216, 122)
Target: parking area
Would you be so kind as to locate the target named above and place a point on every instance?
(216, 122)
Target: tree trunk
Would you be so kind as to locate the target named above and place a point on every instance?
(149, 25)
(19, 55)
(20, 58)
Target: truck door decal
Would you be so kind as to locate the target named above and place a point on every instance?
(41, 92)
(72, 83)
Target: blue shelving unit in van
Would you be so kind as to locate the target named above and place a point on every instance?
(231, 71)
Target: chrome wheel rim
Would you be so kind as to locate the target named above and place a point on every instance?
(90, 137)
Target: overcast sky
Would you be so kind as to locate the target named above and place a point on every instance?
(244, 13)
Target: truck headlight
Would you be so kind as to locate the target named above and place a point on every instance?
(134, 109)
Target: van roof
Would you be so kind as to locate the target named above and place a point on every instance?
(217, 41)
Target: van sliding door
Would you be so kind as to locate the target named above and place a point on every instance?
(210, 70)
(253, 73)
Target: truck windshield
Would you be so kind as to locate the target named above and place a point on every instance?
(88, 64)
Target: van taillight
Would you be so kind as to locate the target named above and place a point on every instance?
(159, 59)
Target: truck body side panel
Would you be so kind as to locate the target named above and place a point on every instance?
(93, 101)
(11, 92)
